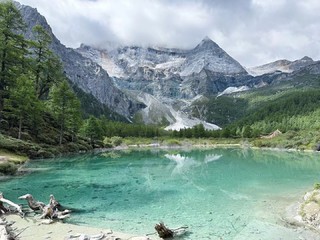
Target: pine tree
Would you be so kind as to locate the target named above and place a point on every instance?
(92, 129)
(46, 66)
(65, 107)
(11, 53)
(22, 102)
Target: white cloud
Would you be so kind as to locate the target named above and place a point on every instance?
(252, 31)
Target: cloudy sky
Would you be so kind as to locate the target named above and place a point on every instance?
(253, 32)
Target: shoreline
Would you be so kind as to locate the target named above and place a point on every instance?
(31, 228)
(203, 146)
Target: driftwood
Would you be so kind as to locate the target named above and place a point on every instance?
(32, 203)
(50, 211)
(166, 233)
(163, 231)
(4, 209)
(6, 232)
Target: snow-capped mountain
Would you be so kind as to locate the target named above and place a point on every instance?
(285, 66)
(172, 77)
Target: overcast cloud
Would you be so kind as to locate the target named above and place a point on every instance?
(253, 32)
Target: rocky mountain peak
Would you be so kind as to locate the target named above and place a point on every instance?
(306, 58)
(206, 44)
(208, 55)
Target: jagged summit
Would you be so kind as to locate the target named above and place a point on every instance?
(207, 43)
(208, 55)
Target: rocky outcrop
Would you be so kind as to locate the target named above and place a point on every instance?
(310, 209)
(82, 71)
(284, 66)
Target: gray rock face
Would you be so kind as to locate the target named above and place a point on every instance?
(82, 71)
(282, 66)
(209, 56)
(170, 73)
(171, 77)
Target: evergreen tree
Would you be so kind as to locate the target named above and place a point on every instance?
(65, 107)
(22, 102)
(11, 53)
(92, 129)
(46, 66)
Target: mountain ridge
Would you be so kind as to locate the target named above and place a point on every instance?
(83, 72)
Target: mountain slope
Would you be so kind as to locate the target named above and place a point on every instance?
(171, 77)
(152, 70)
(285, 66)
(208, 55)
(83, 72)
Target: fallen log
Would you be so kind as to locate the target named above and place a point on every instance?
(6, 232)
(12, 204)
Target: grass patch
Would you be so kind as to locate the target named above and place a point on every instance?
(13, 157)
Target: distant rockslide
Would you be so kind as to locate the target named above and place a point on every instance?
(83, 72)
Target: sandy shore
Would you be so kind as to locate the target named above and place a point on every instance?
(32, 229)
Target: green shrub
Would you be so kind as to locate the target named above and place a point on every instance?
(107, 142)
(8, 168)
(116, 141)
(316, 186)
(173, 142)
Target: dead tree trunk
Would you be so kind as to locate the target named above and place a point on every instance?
(163, 231)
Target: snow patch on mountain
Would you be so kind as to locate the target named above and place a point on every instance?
(156, 112)
(159, 112)
(183, 121)
(230, 90)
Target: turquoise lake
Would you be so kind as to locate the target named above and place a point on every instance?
(217, 193)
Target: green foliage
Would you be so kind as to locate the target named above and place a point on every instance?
(221, 110)
(46, 66)
(316, 186)
(173, 142)
(65, 108)
(11, 51)
(8, 168)
(92, 129)
(289, 105)
(22, 102)
(112, 142)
